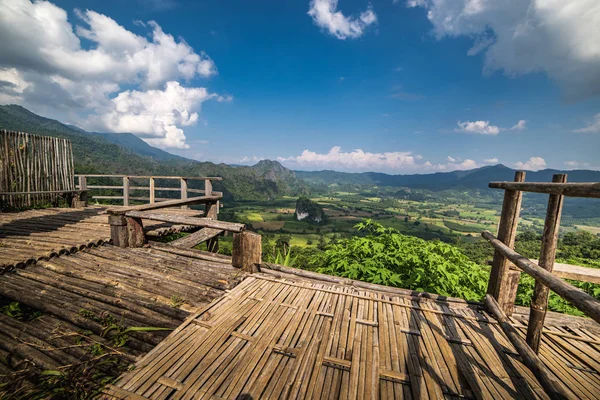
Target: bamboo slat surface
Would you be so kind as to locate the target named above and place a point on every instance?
(74, 293)
(32, 235)
(277, 337)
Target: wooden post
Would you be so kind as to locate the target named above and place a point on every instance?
(503, 281)
(184, 188)
(82, 182)
(247, 251)
(118, 230)
(152, 194)
(125, 190)
(539, 300)
(207, 187)
(135, 232)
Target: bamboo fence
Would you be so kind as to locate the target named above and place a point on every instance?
(34, 169)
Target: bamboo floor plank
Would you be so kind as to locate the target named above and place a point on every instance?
(282, 339)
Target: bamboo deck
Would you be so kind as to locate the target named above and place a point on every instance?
(29, 236)
(274, 335)
(281, 338)
(75, 293)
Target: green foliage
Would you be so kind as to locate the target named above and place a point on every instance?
(385, 256)
(17, 311)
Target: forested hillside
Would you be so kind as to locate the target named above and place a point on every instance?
(125, 153)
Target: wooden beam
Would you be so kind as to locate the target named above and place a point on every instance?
(580, 299)
(183, 220)
(196, 238)
(539, 300)
(164, 204)
(503, 282)
(574, 189)
(551, 385)
(247, 251)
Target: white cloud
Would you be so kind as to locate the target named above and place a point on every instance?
(360, 160)
(533, 164)
(154, 115)
(478, 127)
(519, 37)
(45, 66)
(571, 164)
(485, 128)
(594, 127)
(355, 159)
(493, 160)
(519, 126)
(324, 15)
(450, 165)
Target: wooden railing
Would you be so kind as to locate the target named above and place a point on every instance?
(508, 264)
(128, 185)
(127, 230)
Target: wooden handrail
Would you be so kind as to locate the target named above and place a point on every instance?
(194, 178)
(164, 204)
(580, 299)
(573, 189)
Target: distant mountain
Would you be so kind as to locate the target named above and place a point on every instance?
(139, 147)
(125, 153)
(477, 178)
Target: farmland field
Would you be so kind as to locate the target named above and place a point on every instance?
(444, 217)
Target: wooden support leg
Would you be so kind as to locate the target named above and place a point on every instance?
(118, 230)
(247, 251)
(500, 286)
(135, 232)
(539, 300)
(213, 244)
(211, 211)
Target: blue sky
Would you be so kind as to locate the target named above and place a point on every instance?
(390, 86)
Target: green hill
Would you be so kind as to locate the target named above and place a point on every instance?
(125, 153)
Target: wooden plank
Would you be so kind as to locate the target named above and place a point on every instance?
(184, 220)
(579, 189)
(575, 272)
(196, 238)
(164, 204)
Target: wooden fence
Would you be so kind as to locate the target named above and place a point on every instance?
(125, 189)
(508, 265)
(34, 169)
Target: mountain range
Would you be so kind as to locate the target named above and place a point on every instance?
(125, 153)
